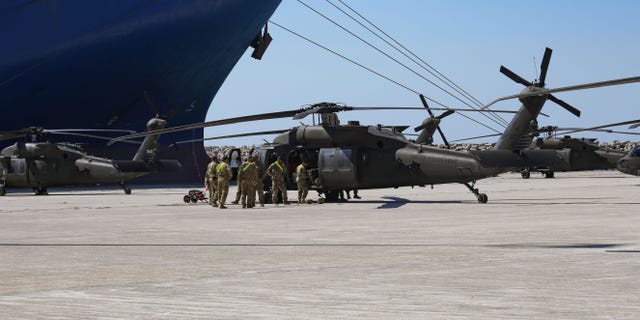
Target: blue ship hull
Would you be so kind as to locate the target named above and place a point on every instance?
(87, 64)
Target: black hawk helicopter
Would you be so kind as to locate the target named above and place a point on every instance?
(353, 156)
(630, 163)
(584, 153)
(40, 165)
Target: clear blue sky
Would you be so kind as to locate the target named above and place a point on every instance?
(465, 40)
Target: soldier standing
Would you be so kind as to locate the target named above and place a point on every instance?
(302, 177)
(262, 173)
(236, 174)
(247, 177)
(277, 173)
(4, 171)
(224, 174)
(211, 182)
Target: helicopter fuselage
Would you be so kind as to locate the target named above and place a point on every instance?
(366, 157)
(41, 165)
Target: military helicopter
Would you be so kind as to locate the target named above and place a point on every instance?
(40, 165)
(585, 153)
(630, 163)
(354, 156)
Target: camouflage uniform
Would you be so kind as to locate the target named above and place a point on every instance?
(262, 173)
(303, 186)
(211, 182)
(277, 173)
(247, 178)
(239, 191)
(4, 168)
(224, 173)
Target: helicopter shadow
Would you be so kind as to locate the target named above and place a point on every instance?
(397, 202)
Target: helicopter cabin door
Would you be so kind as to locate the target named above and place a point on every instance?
(337, 168)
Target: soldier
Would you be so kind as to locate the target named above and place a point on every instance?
(224, 173)
(262, 173)
(4, 170)
(302, 178)
(277, 173)
(211, 182)
(247, 177)
(236, 174)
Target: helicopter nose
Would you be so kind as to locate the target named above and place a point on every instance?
(622, 165)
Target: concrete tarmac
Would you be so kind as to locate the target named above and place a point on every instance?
(563, 248)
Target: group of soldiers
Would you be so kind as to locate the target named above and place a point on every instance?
(251, 176)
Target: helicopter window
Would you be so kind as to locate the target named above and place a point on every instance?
(18, 166)
(635, 152)
(344, 160)
(327, 157)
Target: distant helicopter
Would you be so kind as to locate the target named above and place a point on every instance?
(630, 163)
(40, 165)
(584, 153)
(353, 156)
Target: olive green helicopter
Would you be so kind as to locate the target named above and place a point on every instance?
(40, 165)
(584, 153)
(355, 156)
(630, 163)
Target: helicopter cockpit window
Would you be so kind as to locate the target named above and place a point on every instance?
(336, 160)
(635, 152)
(344, 160)
(17, 166)
(327, 157)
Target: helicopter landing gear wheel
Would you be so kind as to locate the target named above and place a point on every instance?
(3, 191)
(41, 191)
(526, 173)
(482, 197)
(124, 187)
(549, 174)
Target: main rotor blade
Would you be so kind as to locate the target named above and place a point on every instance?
(171, 113)
(12, 135)
(426, 105)
(633, 126)
(89, 130)
(445, 114)
(21, 133)
(569, 88)
(443, 138)
(89, 136)
(565, 105)
(478, 137)
(255, 117)
(248, 134)
(431, 108)
(605, 131)
(605, 126)
(544, 65)
(150, 102)
(513, 76)
(339, 108)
